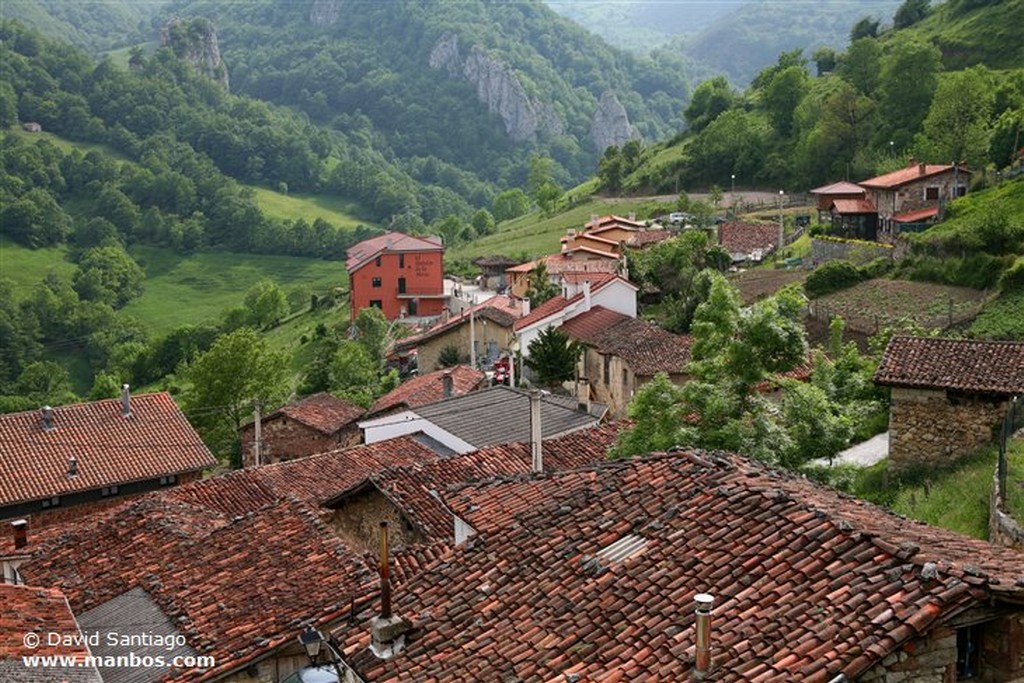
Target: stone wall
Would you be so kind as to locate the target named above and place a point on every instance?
(931, 659)
(932, 428)
(858, 252)
(286, 439)
(1002, 528)
(357, 523)
(429, 352)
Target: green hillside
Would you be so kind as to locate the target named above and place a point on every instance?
(972, 32)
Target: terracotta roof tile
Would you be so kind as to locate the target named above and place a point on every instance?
(323, 412)
(853, 206)
(744, 238)
(155, 440)
(428, 388)
(809, 583)
(500, 309)
(549, 307)
(842, 187)
(645, 347)
(359, 253)
(992, 367)
(916, 216)
(645, 238)
(611, 221)
(906, 175)
(27, 609)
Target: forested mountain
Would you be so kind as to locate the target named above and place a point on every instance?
(93, 26)
(447, 86)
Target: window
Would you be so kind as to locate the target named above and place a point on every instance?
(51, 502)
(376, 303)
(109, 491)
(401, 285)
(401, 260)
(168, 480)
(931, 194)
(376, 282)
(967, 648)
(607, 369)
(376, 261)
(959, 190)
(625, 378)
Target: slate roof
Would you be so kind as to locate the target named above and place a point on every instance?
(227, 560)
(809, 583)
(906, 175)
(358, 254)
(501, 414)
(428, 388)
(420, 490)
(744, 238)
(499, 309)
(645, 347)
(988, 367)
(853, 206)
(323, 412)
(842, 187)
(155, 440)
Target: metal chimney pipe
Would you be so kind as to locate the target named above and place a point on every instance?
(536, 448)
(703, 604)
(20, 527)
(385, 581)
(126, 401)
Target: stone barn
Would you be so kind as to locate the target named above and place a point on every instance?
(948, 396)
(316, 424)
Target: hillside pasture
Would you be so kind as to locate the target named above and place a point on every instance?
(335, 210)
(875, 304)
(27, 267)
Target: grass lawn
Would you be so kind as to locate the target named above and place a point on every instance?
(27, 267)
(67, 145)
(334, 210)
(182, 290)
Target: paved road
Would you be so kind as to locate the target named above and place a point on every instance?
(863, 454)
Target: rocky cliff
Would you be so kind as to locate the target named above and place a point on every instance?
(499, 88)
(195, 42)
(611, 124)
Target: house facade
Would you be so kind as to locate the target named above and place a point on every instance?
(400, 274)
(315, 424)
(66, 462)
(914, 193)
(584, 260)
(948, 396)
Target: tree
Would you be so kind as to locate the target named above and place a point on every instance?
(782, 95)
(265, 303)
(710, 98)
(553, 356)
(909, 13)
(540, 288)
(547, 197)
(866, 27)
(906, 86)
(735, 142)
(482, 222)
(224, 381)
(824, 60)
(45, 382)
(658, 420)
(958, 126)
(610, 170)
(373, 332)
(511, 204)
(354, 374)
(108, 275)
(861, 64)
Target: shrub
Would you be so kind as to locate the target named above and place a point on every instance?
(831, 277)
(1013, 277)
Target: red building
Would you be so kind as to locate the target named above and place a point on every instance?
(399, 274)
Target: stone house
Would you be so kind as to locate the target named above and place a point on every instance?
(487, 326)
(315, 424)
(748, 241)
(492, 270)
(623, 353)
(948, 396)
(66, 462)
(582, 260)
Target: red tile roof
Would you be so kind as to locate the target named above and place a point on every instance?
(429, 388)
(853, 206)
(612, 221)
(500, 309)
(841, 187)
(809, 583)
(596, 280)
(646, 348)
(228, 559)
(155, 440)
(563, 263)
(358, 254)
(917, 216)
(323, 412)
(645, 238)
(549, 307)
(990, 367)
(744, 238)
(906, 175)
(28, 609)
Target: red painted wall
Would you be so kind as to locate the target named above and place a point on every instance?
(423, 273)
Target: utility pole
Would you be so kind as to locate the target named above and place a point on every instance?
(472, 337)
(257, 446)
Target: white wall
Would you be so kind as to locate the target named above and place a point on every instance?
(408, 422)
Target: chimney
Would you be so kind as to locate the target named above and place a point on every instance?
(536, 448)
(126, 401)
(922, 168)
(702, 666)
(48, 424)
(526, 306)
(586, 295)
(387, 632)
(448, 384)
(583, 395)
(20, 528)
(72, 467)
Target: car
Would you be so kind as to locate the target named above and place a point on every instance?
(324, 673)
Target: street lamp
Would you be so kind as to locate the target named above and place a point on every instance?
(312, 642)
(732, 201)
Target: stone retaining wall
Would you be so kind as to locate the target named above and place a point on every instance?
(927, 428)
(856, 252)
(1002, 528)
